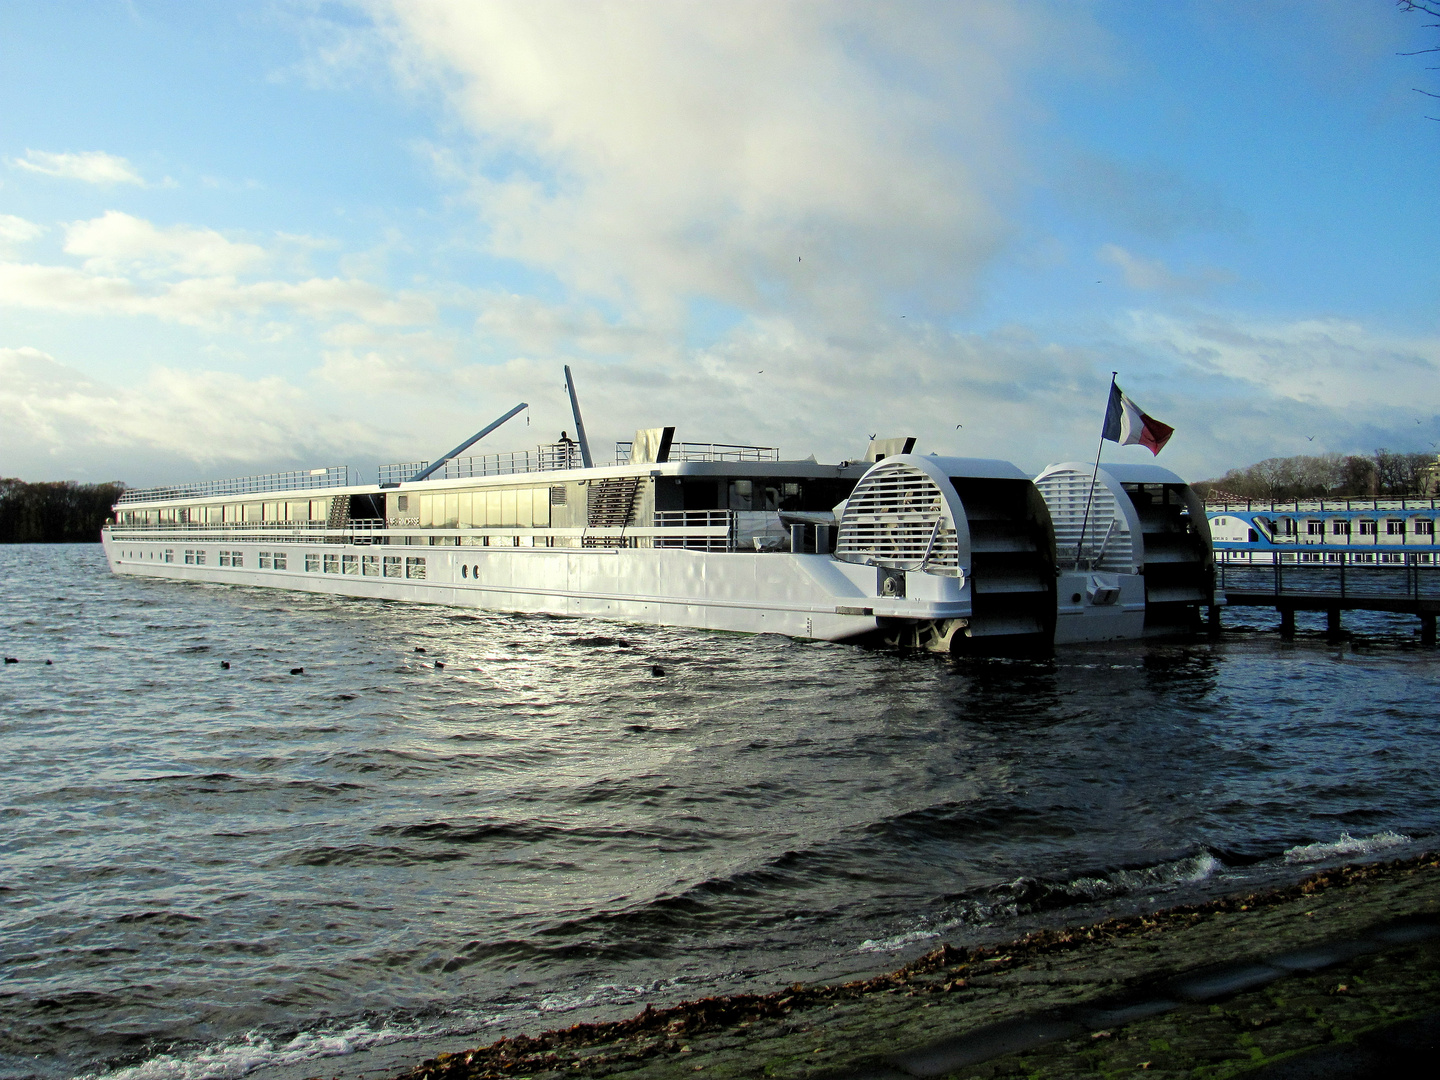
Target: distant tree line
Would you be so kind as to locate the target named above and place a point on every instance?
(62, 512)
(1384, 474)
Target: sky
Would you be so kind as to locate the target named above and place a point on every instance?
(245, 236)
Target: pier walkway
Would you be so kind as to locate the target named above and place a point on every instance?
(1408, 590)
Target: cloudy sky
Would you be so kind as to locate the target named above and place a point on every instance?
(243, 236)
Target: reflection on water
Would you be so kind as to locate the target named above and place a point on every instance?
(209, 870)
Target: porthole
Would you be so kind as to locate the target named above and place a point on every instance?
(464, 571)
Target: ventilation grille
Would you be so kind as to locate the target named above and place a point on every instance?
(1107, 545)
(890, 520)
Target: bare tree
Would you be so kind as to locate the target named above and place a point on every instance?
(1426, 7)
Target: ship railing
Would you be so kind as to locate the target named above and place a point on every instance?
(692, 451)
(699, 531)
(293, 480)
(549, 457)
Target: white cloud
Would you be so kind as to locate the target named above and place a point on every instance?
(187, 420)
(1330, 364)
(92, 167)
(16, 230)
(117, 241)
(207, 302)
(795, 156)
(1152, 275)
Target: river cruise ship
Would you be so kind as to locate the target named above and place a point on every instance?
(1325, 532)
(944, 553)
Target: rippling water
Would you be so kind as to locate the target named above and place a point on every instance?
(206, 871)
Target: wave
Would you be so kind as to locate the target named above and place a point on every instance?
(1347, 845)
(252, 1051)
(1025, 896)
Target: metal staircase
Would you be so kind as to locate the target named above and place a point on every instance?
(610, 504)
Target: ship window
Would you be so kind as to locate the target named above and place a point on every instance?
(402, 503)
(312, 562)
(350, 564)
(189, 556)
(1394, 527)
(332, 562)
(264, 558)
(464, 571)
(1340, 527)
(169, 554)
(224, 558)
(199, 556)
(370, 565)
(279, 560)
(1254, 536)
(1367, 527)
(558, 495)
(237, 558)
(415, 567)
(1314, 528)
(393, 566)
(1424, 527)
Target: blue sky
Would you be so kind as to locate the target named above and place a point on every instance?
(244, 236)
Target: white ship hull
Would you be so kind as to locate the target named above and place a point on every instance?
(803, 596)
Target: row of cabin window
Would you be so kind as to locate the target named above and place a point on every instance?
(296, 510)
(505, 508)
(391, 566)
(1393, 527)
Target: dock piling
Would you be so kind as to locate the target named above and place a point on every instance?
(1287, 622)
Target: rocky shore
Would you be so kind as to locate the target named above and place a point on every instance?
(1291, 981)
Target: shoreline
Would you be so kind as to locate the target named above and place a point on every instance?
(954, 1009)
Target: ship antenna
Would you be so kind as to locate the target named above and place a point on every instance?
(579, 424)
(486, 430)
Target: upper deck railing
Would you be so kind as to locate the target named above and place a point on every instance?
(694, 451)
(294, 480)
(549, 457)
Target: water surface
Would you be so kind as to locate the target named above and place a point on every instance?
(207, 871)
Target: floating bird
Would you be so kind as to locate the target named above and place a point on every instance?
(297, 671)
(224, 665)
(11, 660)
(656, 670)
(419, 649)
(49, 662)
(439, 664)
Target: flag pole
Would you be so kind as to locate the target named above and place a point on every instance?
(1090, 495)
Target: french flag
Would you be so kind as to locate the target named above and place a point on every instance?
(1127, 425)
